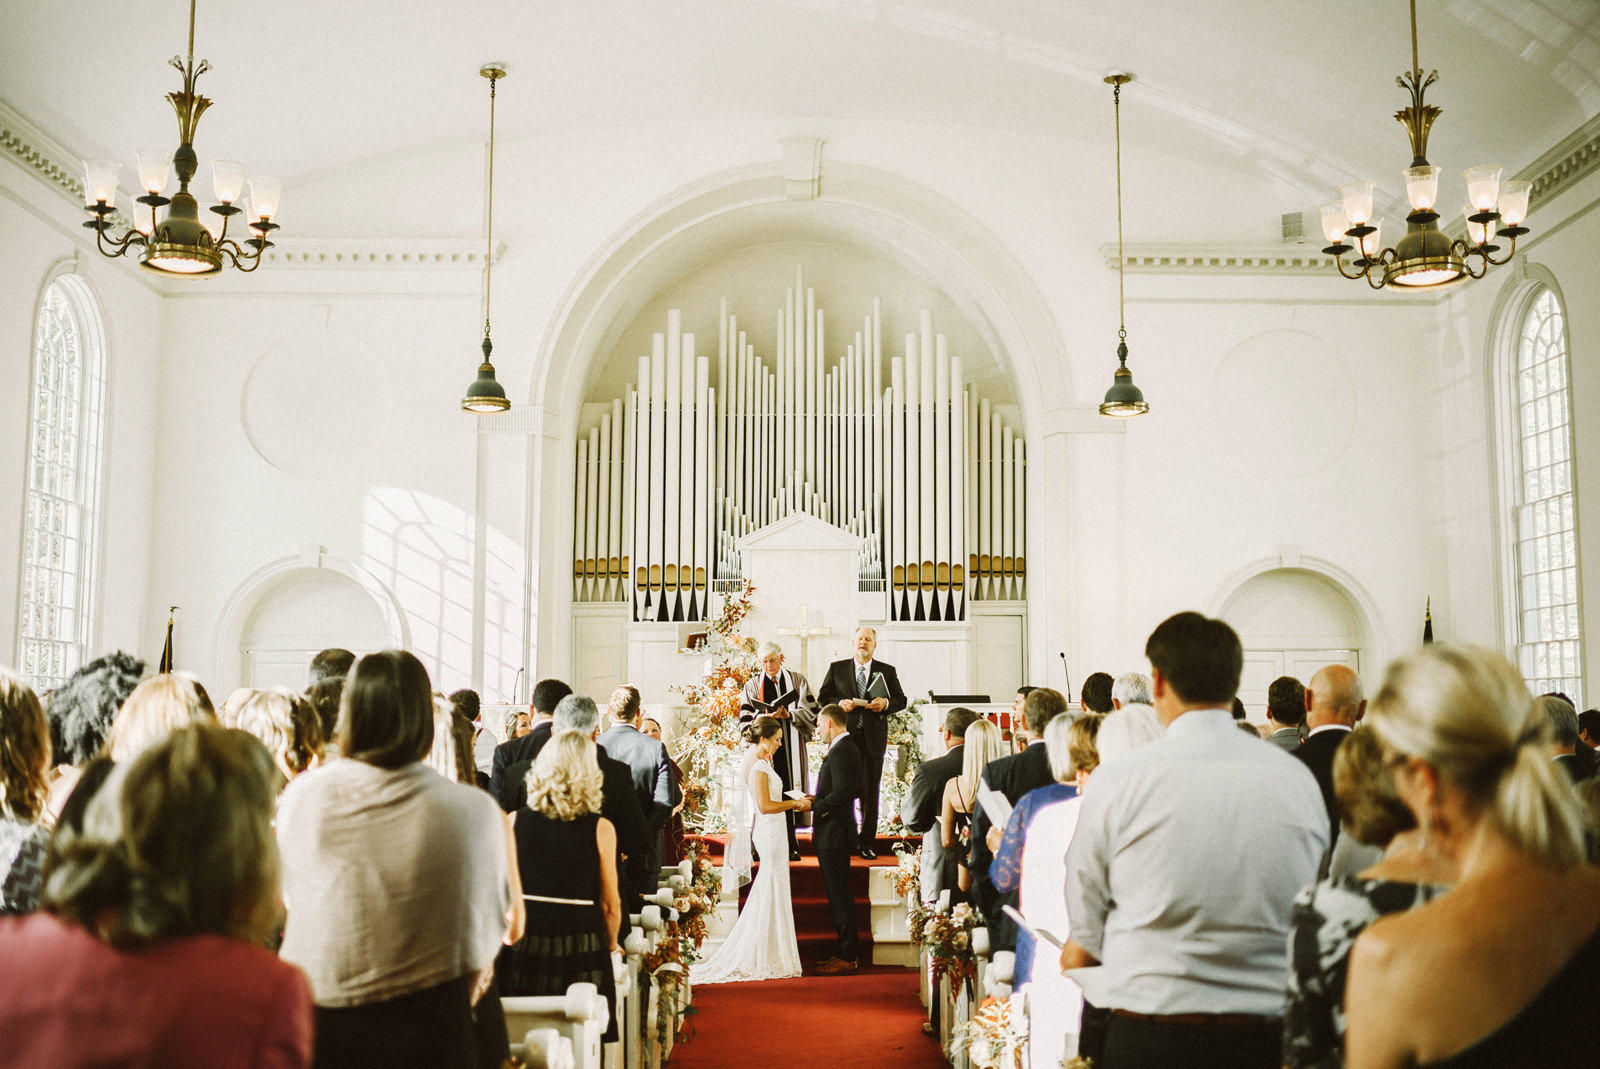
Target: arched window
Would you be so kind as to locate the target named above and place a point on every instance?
(1544, 524)
(60, 543)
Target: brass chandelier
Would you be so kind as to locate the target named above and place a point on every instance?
(1425, 257)
(179, 242)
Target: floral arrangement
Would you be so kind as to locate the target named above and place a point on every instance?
(948, 937)
(713, 730)
(995, 1036)
(681, 938)
(907, 871)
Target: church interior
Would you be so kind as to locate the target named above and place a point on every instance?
(822, 296)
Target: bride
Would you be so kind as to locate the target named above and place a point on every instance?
(762, 944)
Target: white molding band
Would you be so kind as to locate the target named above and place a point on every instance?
(381, 252)
(1220, 259)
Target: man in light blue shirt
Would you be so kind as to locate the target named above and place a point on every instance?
(1184, 866)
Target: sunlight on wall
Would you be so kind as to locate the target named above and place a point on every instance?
(420, 547)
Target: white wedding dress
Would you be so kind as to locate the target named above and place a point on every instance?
(762, 944)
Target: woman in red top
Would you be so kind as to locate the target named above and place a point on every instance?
(151, 950)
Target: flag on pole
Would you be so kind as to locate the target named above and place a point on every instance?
(166, 649)
(1427, 623)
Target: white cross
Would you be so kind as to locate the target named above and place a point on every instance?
(805, 633)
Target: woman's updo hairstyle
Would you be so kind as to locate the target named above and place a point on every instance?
(1466, 711)
(762, 727)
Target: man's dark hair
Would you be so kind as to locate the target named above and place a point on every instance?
(958, 720)
(80, 711)
(1026, 690)
(1096, 693)
(466, 703)
(1286, 701)
(331, 663)
(1200, 658)
(1041, 706)
(1238, 708)
(324, 698)
(1589, 723)
(386, 718)
(547, 694)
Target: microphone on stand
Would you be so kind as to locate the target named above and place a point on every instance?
(1065, 672)
(516, 685)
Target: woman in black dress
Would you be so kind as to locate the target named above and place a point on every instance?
(566, 853)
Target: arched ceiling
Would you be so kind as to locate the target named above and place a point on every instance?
(1296, 95)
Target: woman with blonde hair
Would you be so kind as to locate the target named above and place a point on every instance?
(1501, 971)
(158, 705)
(566, 854)
(983, 745)
(287, 725)
(150, 949)
(24, 789)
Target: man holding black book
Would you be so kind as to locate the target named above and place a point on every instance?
(869, 692)
(786, 696)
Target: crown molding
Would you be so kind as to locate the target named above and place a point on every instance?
(382, 252)
(1220, 259)
(1573, 159)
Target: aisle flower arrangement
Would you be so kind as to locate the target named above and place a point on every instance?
(995, 1037)
(948, 937)
(678, 947)
(712, 731)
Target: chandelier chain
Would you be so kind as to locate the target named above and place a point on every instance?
(488, 252)
(1116, 103)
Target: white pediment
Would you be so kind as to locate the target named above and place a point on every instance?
(799, 530)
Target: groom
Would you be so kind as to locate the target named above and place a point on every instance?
(833, 813)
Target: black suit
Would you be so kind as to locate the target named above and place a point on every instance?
(1013, 776)
(653, 782)
(505, 783)
(1572, 765)
(834, 835)
(868, 730)
(1317, 753)
(919, 812)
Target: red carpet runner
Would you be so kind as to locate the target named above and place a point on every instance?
(871, 1019)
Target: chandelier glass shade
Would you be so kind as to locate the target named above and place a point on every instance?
(1124, 400)
(179, 241)
(486, 395)
(1425, 257)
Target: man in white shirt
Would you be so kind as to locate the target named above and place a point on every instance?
(1184, 866)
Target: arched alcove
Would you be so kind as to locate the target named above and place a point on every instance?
(1293, 621)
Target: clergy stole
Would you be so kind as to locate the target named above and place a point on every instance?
(790, 759)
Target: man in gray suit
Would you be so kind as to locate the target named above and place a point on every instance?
(1286, 711)
(647, 759)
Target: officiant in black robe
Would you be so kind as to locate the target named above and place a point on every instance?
(799, 718)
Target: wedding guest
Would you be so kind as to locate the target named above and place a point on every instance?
(331, 663)
(1589, 798)
(80, 712)
(1334, 705)
(1095, 696)
(566, 854)
(511, 759)
(647, 759)
(149, 950)
(619, 803)
(1502, 970)
(228, 715)
(159, 705)
(24, 789)
(1130, 688)
(1331, 914)
(1286, 712)
(398, 953)
(324, 698)
(982, 746)
(518, 724)
(672, 851)
(287, 726)
(1046, 843)
(1563, 726)
(923, 805)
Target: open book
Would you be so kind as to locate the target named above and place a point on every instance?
(791, 698)
(1039, 934)
(995, 805)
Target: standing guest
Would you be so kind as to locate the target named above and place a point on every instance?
(228, 715)
(566, 853)
(1286, 712)
(468, 704)
(287, 726)
(619, 803)
(1095, 694)
(1130, 688)
(1588, 759)
(518, 724)
(1190, 915)
(1589, 727)
(331, 663)
(325, 698)
(1502, 970)
(24, 789)
(836, 833)
(647, 759)
(923, 804)
(672, 850)
(512, 758)
(395, 881)
(981, 747)
(150, 948)
(80, 712)
(1334, 703)
(1013, 777)
(159, 705)
(1330, 915)
(847, 685)
(1562, 720)
(798, 719)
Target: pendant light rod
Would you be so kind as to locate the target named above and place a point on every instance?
(1118, 80)
(494, 72)
(1124, 399)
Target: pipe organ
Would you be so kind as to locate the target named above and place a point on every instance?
(701, 451)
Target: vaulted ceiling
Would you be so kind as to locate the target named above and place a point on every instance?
(1289, 98)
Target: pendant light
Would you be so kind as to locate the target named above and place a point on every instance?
(1124, 400)
(485, 394)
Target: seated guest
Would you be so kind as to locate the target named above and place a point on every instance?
(331, 663)
(566, 853)
(1329, 915)
(1189, 913)
(923, 803)
(1046, 859)
(395, 881)
(149, 950)
(1286, 711)
(1563, 722)
(982, 746)
(1502, 970)
(24, 788)
(159, 705)
(287, 726)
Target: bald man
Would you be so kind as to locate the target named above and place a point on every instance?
(1334, 703)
